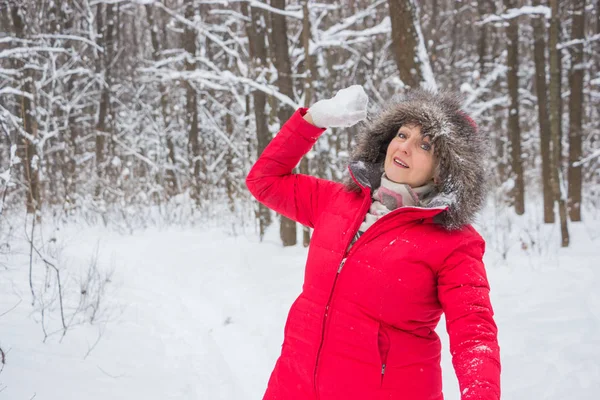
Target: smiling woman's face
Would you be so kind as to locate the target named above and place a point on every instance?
(409, 158)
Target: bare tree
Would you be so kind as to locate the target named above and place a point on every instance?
(172, 181)
(194, 155)
(482, 44)
(105, 38)
(137, 112)
(555, 121)
(27, 114)
(576, 108)
(539, 43)
(311, 75)
(281, 59)
(256, 32)
(408, 44)
(514, 128)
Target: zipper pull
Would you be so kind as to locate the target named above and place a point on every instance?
(341, 265)
(383, 369)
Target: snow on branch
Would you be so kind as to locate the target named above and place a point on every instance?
(385, 26)
(199, 26)
(585, 160)
(251, 3)
(223, 135)
(17, 92)
(222, 81)
(353, 19)
(426, 70)
(578, 41)
(291, 14)
(343, 38)
(25, 51)
(70, 37)
(517, 12)
(474, 94)
(17, 123)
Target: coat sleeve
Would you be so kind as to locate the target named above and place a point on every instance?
(463, 291)
(271, 181)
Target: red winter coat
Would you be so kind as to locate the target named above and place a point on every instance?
(363, 326)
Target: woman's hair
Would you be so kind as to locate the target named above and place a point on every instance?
(459, 148)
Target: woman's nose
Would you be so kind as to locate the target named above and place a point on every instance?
(405, 147)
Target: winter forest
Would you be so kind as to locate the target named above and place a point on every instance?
(127, 128)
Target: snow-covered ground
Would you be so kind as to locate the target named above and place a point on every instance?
(199, 314)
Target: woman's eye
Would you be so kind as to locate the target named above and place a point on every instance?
(426, 146)
(401, 135)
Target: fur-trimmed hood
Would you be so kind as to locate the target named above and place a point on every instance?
(461, 151)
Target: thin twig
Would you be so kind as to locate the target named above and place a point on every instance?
(43, 324)
(109, 375)
(31, 260)
(49, 264)
(12, 308)
(3, 200)
(94, 345)
(2, 359)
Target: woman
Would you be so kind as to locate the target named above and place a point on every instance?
(392, 249)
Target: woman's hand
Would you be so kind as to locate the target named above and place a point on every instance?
(346, 108)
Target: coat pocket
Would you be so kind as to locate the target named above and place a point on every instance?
(383, 344)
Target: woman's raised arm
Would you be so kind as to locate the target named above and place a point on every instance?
(296, 196)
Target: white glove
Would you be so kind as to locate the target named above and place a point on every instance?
(346, 108)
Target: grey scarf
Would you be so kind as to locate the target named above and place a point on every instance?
(390, 196)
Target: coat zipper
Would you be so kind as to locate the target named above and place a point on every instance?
(367, 202)
(383, 354)
(346, 253)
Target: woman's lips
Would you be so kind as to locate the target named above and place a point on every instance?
(400, 163)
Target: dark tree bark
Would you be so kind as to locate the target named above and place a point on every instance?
(414, 70)
(189, 45)
(576, 109)
(281, 59)
(256, 33)
(308, 90)
(27, 114)
(512, 33)
(482, 42)
(229, 186)
(539, 53)
(172, 182)
(105, 38)
(555, 120)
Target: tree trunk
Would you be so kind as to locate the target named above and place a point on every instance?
(229, 181)
(69, 165)
(555, 119)
(482, 45)
(105, 33)
(408, 44)
(255, 30)
(27, 113)
(281, 60)
(512, 33)
(172, 182)
(435, 9)
(597, 17)
(576, 109)
(539, 53)
(308, 91)
(191, 107)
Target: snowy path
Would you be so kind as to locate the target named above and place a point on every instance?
(201, 317)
